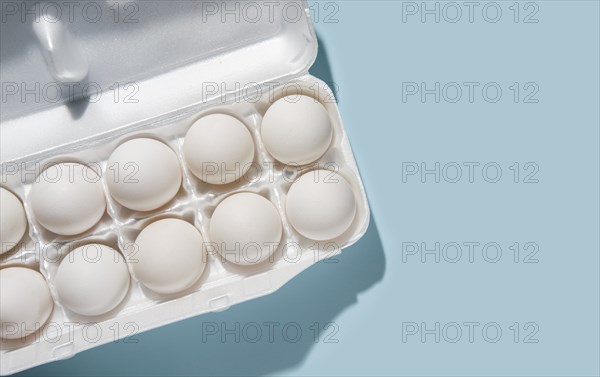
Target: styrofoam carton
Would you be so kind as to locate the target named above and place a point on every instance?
(74, 88)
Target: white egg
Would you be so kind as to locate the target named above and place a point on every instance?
(218, 149)
(296, 130)
(92, 280)
(320, 205)
(25, 302)
(169, 256)
(246, 228)
(143, 174)
(13, 221)
(68, 198)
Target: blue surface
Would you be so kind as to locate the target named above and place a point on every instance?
(380, 292)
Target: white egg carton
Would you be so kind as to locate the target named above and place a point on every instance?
(222, 284)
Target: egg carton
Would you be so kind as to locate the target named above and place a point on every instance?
(166, 113)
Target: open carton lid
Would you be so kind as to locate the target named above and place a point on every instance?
(72, 71)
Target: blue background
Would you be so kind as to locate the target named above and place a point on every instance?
(360, 303)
